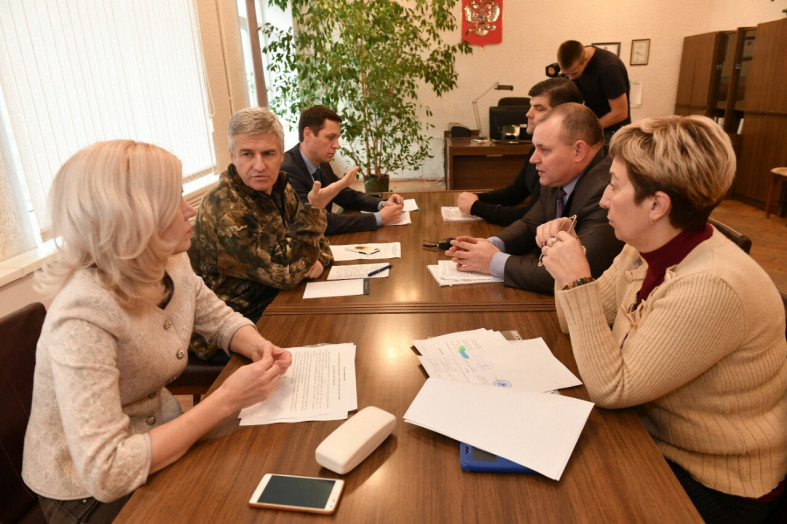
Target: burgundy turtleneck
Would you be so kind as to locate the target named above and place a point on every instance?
(669, 255)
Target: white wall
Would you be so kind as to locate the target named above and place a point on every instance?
(532, 32)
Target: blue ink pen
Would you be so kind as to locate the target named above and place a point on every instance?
(378, 271)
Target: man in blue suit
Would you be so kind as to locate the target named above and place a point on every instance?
(308, 162)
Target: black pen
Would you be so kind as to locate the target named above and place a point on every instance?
(378, 271)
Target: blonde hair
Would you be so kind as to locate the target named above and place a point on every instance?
(110, 202)
(688, 157)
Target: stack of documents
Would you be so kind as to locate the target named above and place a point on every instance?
(483, 356)
(320, 385)
(452, 214)
(517, 420)
(446, 274)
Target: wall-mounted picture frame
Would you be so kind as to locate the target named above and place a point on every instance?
(640, 51)
(612, 47)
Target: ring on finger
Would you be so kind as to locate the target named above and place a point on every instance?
(552, 241)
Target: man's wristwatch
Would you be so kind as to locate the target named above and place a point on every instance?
(578, 282)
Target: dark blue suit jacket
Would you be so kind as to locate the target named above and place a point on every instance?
(302, 182)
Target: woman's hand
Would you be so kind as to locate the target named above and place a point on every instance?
(255, 382)
(564, 257)
(549, 230)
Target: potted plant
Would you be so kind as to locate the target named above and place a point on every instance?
(366, 59)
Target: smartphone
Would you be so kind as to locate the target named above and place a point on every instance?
(294, 493)
(474, 459)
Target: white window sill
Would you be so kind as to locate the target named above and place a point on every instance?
(20, 266)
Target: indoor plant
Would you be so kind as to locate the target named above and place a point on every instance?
(366, 59)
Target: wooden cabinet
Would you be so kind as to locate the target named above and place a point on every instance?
(739, 79)
(764, 129)
(697, 75)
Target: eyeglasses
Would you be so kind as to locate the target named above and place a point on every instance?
(573, 219)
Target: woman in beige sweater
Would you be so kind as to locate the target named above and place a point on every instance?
(118, 332)
(684, 325)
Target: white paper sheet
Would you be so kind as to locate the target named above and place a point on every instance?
(452, 214)
(523, 364)
(537, 430)
(350, 271)
(387, 250)
(336, 288)
(404, 220)
(320, 385)
(472, 278)
(410, 205)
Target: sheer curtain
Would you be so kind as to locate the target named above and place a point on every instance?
(73, 72)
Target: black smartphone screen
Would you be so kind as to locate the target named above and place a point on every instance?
(294, 491)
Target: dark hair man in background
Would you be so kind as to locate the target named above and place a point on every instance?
(502, 206)
(603, 80)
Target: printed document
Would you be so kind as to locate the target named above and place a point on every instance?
(537, 430)
(521, 364)
(452, 214)
(351, 271)
(446, 274)
(319, 385)
(341, 253)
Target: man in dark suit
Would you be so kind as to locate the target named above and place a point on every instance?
(308, 162)
(572, 164)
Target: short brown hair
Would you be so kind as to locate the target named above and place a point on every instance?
(314, 118)
(569, 53)
(690, 158)
(579, 123)
(558, 90)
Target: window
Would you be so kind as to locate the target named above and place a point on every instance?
(74, 72)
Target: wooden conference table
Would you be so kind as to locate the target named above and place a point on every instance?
(410, 287)
(615, 474)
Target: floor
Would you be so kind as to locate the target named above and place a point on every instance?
(769, 235)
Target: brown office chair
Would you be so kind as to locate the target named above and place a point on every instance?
(740, 239)
(19, 334)
(196, 379)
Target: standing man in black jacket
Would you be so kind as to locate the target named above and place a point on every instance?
(504, 206)
(308, 162)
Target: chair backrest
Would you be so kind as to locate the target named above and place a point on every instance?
(514, 101)
(740, 239)
(19, 334)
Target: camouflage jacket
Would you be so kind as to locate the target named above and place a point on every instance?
(247, 245)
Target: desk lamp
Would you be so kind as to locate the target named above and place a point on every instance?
(497, 86)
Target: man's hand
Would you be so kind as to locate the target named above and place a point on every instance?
(394, 199)
(315, 271)
(391, 214)
(465, 202)
(472, 254)
(320, 197)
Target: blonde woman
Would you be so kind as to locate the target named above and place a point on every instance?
(684, 324)
(126, 302)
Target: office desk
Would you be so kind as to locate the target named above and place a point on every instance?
(472, 166)
(410, 287)
(616, 473)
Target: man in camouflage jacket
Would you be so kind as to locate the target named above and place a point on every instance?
(252, 235)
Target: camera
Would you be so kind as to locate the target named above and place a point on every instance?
(553, 70)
